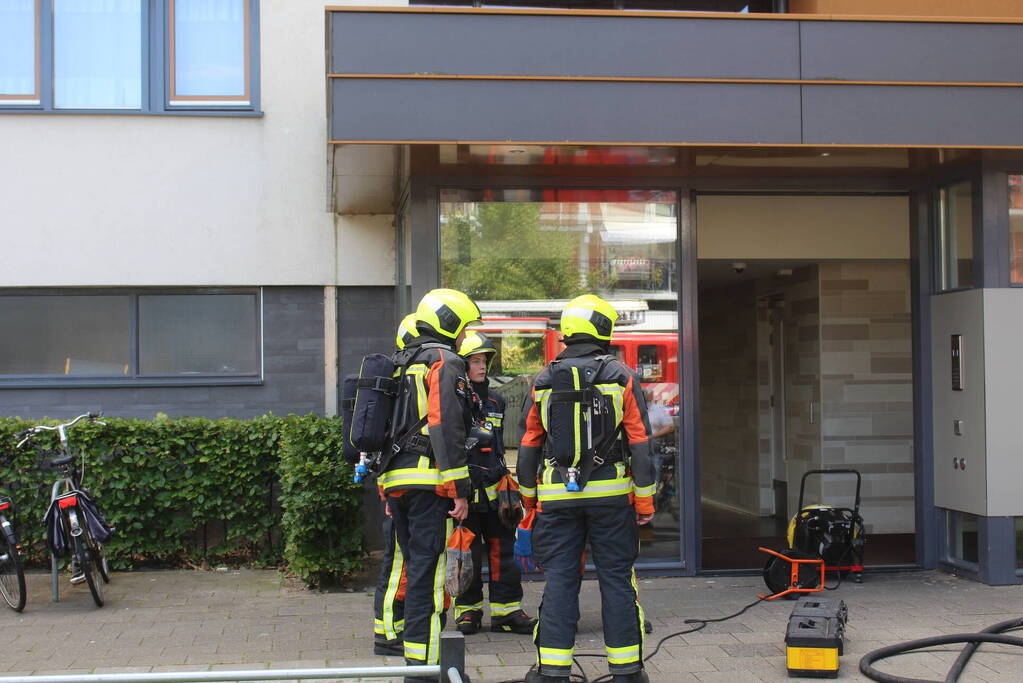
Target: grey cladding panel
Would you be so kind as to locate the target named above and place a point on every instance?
(385, 109)
(899, 51)
(912, 115)
(394, 43)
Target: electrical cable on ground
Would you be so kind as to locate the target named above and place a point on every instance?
(581, 676)
(992, 634)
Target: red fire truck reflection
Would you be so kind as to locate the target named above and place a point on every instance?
(528, 344)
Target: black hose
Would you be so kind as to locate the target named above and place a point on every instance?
(992, 634)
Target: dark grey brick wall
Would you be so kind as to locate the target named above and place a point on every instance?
(292, 381)
(366, 323)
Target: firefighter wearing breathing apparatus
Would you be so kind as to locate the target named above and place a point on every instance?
(584, 462)
(486, 469)
(424, 475)
(389, 597)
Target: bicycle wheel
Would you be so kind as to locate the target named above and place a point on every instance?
(12, 575)
(99, 559)
(88, 567)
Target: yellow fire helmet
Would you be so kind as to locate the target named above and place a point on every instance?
(406, 331)
(477, 342)
(447, 312)
(588, 314)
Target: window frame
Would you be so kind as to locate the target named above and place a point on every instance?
(1011, 265)
(33, 100)
(135, 378)
(945, 238)
(176, 102)
(157, 36)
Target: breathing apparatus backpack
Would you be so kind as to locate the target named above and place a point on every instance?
(368, 402)
(581, 425)
(349, 387)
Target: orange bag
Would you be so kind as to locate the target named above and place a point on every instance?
(459, 573)
(509, 502)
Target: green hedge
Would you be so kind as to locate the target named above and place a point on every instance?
(272, 491)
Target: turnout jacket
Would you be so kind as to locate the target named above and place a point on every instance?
(430, 421)
(486, 463)
(618, 481)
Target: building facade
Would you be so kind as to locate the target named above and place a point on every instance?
(809, 218)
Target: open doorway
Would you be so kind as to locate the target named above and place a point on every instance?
(805, 363)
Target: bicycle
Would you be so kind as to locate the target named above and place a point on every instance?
(12, 574)
(75, 527)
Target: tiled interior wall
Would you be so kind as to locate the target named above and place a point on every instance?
(802, 380)
(867, 388)
(848, 390)
(729, 458)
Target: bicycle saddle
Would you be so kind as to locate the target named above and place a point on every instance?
(57, 462)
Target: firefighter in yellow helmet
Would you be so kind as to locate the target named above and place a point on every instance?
(424, 475)
(406, 331)
(584, 407)
(389, 597)
(486, 469)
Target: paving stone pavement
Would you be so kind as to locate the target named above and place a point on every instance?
(187, 620)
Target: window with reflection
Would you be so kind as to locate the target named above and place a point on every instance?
(97, 54)
(1016, 229)
(209, 57)
(954, 238)
(19, 51)
(65, 335)
(523, 253)
(129, 335)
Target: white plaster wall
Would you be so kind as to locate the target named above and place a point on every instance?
(365, 253)
(150, 200)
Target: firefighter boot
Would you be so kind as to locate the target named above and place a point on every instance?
(533, 676)
(390, 648)
(469, 622)
(635, 677)
(516, 622)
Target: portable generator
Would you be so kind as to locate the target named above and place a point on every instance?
(821, 538)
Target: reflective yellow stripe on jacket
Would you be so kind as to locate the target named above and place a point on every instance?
(410, 477)
(599, 488)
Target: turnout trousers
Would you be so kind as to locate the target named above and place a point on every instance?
(559, 537)
(422, 527)
(389, 598)
(495, 542)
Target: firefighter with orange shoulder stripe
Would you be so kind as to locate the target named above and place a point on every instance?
(486, 469)
(424, 475)
(584, 463)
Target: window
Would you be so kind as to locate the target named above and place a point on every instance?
(198, 334)
(97, 54)
(208, 48)
(129, 336)
(19, 51)
(523, 253)
(65, 335)
(137, 56)
(648, 363)
(954, 243)
(1016, 229)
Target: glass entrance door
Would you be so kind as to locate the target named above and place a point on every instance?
(523, 253)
